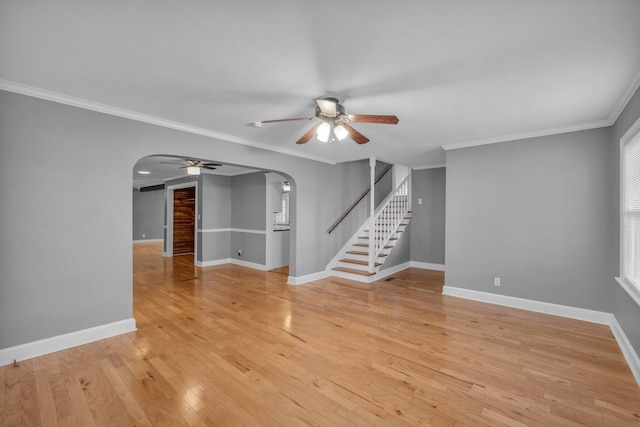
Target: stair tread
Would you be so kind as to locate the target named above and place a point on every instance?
(359, 262)
(353, 271)
(366, 245)
(363, 253)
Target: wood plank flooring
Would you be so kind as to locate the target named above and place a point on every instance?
(231, 346)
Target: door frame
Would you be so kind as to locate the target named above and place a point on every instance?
(168, 244)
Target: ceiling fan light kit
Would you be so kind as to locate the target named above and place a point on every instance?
(193, 170)
(324, 131)
(334, 123)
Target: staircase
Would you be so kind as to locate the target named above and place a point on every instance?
(365, 253)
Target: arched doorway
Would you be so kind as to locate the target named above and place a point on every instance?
(234, 211)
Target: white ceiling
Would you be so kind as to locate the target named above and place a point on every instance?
(455, 72)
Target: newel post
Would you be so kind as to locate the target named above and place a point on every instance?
(372, 208)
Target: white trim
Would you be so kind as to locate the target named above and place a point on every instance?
(627, 349)
(148, 241)
(65, 341)
(300, 280)
(248, 264)
(235, 261)
(381, 274)
(633, 291)
(527, 135)
(169, 200)
(213, 262)
(621, 200)
(583, 314)
(237, 230)
(145, 118)
(635, 84)
(576, 313)
(440, 165)
(631, 132)
(427, 266)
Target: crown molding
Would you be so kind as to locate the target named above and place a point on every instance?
(635, 84)
(440, 165)
(613, 117)
(34, 92)
(527, 135)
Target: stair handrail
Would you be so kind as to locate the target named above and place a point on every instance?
(364, 194)
(387, 228)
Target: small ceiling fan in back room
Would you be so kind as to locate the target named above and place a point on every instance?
(193, 166)
(334, 122)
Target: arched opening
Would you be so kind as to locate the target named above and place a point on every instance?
(235, 214)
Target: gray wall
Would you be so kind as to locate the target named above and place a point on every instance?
(214, 208)
(249, 201)
(148, 215)
(249, 210)
(428, 222)
(625, 309)
(56, 281)
(536, 213)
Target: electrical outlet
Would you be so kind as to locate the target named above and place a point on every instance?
(496, 281)
(144, 235)
(419, 201)
(239, 252)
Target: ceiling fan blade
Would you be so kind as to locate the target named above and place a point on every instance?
(307, 136)
(328, 107)
(372, 118)
(355, 135)
(286, 120)
(210, 164)
(207, 167)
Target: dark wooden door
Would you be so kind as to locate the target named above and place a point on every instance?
(184, 220)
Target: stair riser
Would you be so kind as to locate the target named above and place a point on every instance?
(355, 266)
(362, 257)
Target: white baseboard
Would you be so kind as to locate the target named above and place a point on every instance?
(352, 276)
(364, 279)
(427, 265)
(248, 264)
(299, 280)
(391, 270)
(231, 261)
(583, 314)
(63, 342)
(149, 241)
(213, 262)
(627, 349)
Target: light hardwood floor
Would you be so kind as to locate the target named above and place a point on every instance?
(228, 345)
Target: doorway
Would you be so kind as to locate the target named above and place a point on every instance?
(181, 207)
(184, 220)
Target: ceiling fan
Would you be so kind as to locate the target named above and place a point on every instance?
(334, 123)
(194, 166)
